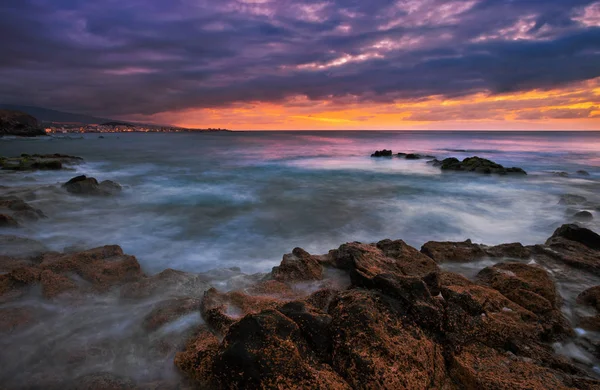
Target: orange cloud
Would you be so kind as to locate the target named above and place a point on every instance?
(574, 108)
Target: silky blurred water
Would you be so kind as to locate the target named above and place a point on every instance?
(200, 201)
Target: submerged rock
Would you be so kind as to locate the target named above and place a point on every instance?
(6, 221)
(35, 162)
(382, 153)
(414, 156)
(83, 185)
(19, 210)
(479, 165)
(572, 200)
(583, 173)
(583, 216)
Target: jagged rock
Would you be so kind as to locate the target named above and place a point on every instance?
(54, 284)
(532, 288)
(583, 216)
(479, 165)
(382, 153)
(83, 185)
(298, 266)
(466, 251)
(575, 233)
(19, 123)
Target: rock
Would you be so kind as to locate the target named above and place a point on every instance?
(83, 185)
(364, 262)
(170, 283)
(583, 173)
(169, 310)
(414, 156)
(7, 221)
(583, 216)
(20, 247)
(479, 165)
(103, 381)
(264, 350)
(480, 367)
(372, 345)
(532, 288)
(298, 266)
(15, 318)
(54, 284)
(196, 359)
(19, 123)
(19, 210)
(103, 267)
(463, 252)
(382, 153)
(572, 200)
(37, 162)
(590, 297)
(560, 174)
(578, 234)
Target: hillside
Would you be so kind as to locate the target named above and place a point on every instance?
(47, 115)
(19, 123)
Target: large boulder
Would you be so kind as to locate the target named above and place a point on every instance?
(298, 266)
(575, 246)
(83, 185)
(19, 123)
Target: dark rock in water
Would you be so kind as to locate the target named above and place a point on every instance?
(83, 185)
(572, 199)
(560, 174)
(19, 210)
(382, 153)
(8, 221)
(45, 162)
(583, 173)
(19, 123)
(479, 165)
(583, 216)
(101, 137)
(414, 156)
(20, 247)
(591, 298)
(169, 310)
(578, 234)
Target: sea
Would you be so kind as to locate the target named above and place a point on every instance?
(202, 201)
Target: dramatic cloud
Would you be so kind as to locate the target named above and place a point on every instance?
(298, 60)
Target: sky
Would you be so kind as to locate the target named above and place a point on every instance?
(303, 64)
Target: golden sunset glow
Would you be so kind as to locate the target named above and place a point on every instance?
(573, 108)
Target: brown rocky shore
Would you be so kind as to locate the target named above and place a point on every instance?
(364, 316)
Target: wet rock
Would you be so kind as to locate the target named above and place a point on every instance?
(560, 174)
(480, 367)
(170, 310)
(20, 247)
(583, 173)
(478, 165)
(372, 345)
(467, 251)
(575, 233)
(196, 359)
(572, 200)
(590, 297)
(7, 221)
(298, 266)
(167, 283)
(54, 284)
(313, 323)
(532, 288)
(19, 210)
(103, 381)
(414, 156)
(83, 185)
(382, 153)
(364, 262)
(103, 267)
(583, 216)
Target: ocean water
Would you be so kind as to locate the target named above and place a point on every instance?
(198, 202)
(210, 200)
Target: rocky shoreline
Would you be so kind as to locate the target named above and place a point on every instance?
(381, 315)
